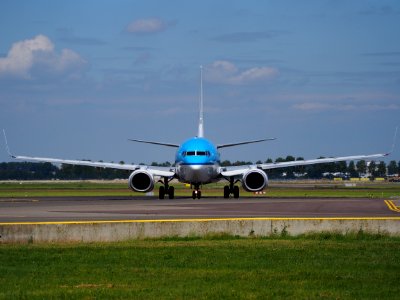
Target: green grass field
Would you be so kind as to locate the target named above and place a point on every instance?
(321, 266)
(279, 189)
(220, 267)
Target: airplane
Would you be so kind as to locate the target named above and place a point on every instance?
(197, 162)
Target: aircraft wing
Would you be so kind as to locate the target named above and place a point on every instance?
(240, 170)
(156, 171)
(318, 161)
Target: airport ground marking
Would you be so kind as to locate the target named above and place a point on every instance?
(392, 206)
(206, 220)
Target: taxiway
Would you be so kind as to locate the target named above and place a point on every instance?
(61, 209)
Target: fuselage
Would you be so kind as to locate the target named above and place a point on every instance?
(197, 162)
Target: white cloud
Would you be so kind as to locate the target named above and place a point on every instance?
(38, 53)
(227, 72)
(145, 26)
(319, 107)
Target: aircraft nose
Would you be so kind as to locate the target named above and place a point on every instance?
(196, 160)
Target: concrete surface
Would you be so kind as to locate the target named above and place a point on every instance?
(109, 231)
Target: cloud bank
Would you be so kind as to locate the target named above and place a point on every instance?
(226, 72)
(38, 55)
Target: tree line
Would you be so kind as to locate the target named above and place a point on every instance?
(48, 171)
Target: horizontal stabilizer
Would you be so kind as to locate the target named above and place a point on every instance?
(155, 143)
(244, 143)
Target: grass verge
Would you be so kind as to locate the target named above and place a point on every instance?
(87, 188)
(318, 266)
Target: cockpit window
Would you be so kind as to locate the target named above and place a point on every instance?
(196, 153)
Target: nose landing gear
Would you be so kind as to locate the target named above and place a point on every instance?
(196, 192)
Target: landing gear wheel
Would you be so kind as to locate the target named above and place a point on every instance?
(161, 192)
(196, 194)
(236, 192)
(226, 192)
(171, 192)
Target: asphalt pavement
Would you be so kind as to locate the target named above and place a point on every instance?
(61, 209)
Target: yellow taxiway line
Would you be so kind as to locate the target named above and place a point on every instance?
(206, 220)
(392, 206)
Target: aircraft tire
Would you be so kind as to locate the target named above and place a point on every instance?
(161, 192)
(226, 192)
(171, 192)
(236, 192)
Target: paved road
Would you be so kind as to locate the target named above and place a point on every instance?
(58, 209)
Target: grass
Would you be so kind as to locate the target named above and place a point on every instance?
(326, 265)
(87, 188)
(318, 266)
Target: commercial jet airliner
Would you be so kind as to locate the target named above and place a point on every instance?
(197, 162)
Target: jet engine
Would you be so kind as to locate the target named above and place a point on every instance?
(141, 181)
(254, 180)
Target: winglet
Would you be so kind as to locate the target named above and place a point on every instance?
(394, 141)
(7, 148)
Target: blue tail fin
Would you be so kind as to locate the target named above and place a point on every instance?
(201, 120)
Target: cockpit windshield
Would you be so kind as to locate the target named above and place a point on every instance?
(196, 153)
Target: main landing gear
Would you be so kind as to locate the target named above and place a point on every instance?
(231, 189)
(166, 189)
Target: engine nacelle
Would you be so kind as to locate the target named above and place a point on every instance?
(254, 180)
(141, 181)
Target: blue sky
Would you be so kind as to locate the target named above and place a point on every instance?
(78, 78)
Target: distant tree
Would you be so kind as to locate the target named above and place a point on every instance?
(290, 158)
(392, 168)
(121, 174)
(361, 167)
(351, 169)
(398, 168)
(241, 163)
(166, 164)
(372, 168)
(316, 171)
(300, 169)
(27, 171)
(225, 163)
(290, 170)
(341, 167)
(67, 171)
(270, 161)
(381, 169)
